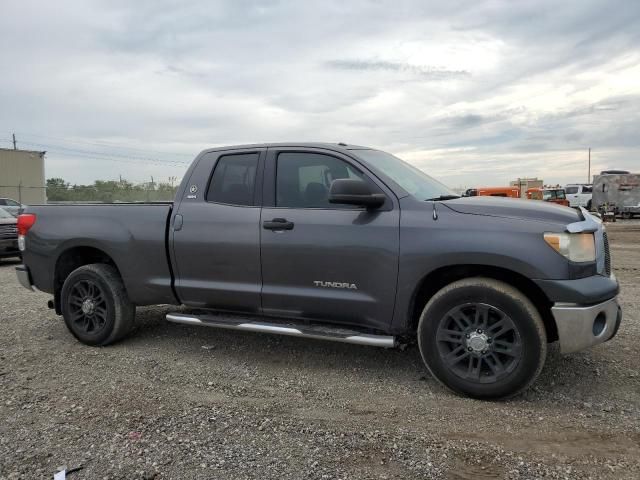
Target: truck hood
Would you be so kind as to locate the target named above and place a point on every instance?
(514, 208)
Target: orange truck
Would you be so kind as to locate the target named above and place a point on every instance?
(512, 192)
(553, 195)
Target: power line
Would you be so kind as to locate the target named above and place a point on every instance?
(123, 160)
(51, 147)
(104, 144)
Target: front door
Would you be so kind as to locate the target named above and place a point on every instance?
(324, 261)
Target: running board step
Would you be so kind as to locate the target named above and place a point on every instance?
(293, 330)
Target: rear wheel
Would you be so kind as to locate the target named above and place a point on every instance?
(482, 338)
(95, 305)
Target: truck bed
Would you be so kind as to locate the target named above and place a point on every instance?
(133, 235)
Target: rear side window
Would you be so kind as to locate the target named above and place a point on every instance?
(234, 179)
(587, 189)
(3, 201)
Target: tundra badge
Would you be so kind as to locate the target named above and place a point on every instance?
(320, 283)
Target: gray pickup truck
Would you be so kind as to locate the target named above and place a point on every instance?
(336, 242)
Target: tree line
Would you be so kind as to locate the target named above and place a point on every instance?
(108, 191)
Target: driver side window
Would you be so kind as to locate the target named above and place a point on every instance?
(303, 179)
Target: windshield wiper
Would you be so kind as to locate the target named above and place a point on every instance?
(442, 197)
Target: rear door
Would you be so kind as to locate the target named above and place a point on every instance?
(328, 262)
(216, 232)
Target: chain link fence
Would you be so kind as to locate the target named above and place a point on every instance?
(99, 192)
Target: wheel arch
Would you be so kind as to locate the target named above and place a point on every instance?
(71, 259)
(439, 278)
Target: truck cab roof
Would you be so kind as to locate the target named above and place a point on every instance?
(340, 146)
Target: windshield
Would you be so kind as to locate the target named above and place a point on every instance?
(5, 214)
(554, 194)
(414, 181)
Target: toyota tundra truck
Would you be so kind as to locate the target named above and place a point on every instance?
(335, 242)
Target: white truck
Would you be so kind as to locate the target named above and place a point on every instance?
(579, 195)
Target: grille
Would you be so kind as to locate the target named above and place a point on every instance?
(607, 254)
(8, 231)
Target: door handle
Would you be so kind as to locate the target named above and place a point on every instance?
(278, 224)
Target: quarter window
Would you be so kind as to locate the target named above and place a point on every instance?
(303, 180)
(234, 179)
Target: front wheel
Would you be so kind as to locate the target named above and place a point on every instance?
(95, 305)
(482, 338)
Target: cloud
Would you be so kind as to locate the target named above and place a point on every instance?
(424, 72)
(470, 91)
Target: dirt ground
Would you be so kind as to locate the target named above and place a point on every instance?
(183, 402)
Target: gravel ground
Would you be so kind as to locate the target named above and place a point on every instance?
(181, 402)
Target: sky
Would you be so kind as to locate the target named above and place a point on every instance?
(472, 92)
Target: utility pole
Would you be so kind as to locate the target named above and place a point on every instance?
(14, 141)
(589, 170)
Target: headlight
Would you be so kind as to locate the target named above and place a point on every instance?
(577, 247)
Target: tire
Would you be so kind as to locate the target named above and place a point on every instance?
(95, 305)
(482, 338)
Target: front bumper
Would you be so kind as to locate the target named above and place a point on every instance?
(581, 326)
(588, 290)
(9, 247)
(24, 277)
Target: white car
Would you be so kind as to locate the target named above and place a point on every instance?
(579, 195)
(11, 206)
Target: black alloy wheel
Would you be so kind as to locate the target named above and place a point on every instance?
(483, 338)
(95, 305)
(479, 342)
(87, 307)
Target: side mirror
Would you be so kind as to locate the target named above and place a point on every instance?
(354, 192)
